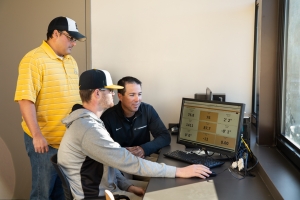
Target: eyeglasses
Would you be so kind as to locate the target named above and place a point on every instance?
(71, 39)
(104, 89)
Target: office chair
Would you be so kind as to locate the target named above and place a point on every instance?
(65, 182)
(66, 185)
(109, 195)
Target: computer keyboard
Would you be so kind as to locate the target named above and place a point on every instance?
(194, 158)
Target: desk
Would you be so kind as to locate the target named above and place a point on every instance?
(223, 186)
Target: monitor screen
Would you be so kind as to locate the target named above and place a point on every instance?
(211, 125)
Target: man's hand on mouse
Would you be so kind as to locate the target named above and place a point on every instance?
(137, 151)
(200, 171)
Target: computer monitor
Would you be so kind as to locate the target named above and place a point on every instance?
(213, 126)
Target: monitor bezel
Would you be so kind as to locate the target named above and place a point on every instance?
(205, 147)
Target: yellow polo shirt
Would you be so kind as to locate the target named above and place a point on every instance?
(52, 84)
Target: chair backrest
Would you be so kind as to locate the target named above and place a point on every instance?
(109, 195)
(64, 180)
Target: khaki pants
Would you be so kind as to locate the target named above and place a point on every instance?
(129, 194)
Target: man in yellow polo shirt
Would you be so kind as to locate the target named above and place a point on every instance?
(47, 88)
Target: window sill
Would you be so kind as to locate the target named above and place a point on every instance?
(280, 176)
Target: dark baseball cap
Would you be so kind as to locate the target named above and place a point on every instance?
(96, 78)
(68, 25)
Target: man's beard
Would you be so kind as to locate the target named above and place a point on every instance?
(106, 102)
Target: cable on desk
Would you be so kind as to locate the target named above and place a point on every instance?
(236, 174)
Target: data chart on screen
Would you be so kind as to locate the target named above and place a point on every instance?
(212, 124)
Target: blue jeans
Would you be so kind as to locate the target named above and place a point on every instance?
(46, 183)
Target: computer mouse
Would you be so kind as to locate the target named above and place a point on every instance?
(213, 174)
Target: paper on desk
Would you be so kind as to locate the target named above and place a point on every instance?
(202, 190)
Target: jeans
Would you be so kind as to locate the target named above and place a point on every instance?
(46, 183)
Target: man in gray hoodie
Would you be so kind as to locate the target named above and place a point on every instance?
(91, 159)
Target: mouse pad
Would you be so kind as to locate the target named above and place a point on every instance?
(202, 190)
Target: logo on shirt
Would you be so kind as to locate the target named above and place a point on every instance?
(140, 127)
(118, 129)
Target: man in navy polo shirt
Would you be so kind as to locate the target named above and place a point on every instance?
(131, 122)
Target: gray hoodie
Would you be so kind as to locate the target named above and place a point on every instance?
(91, 160)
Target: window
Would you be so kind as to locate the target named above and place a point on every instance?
(292, 94)
(289, 137)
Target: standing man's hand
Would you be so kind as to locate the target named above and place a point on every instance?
(40, 144)
(137, 151)
(28, 111)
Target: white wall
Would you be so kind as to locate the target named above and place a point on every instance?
(176, 48)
